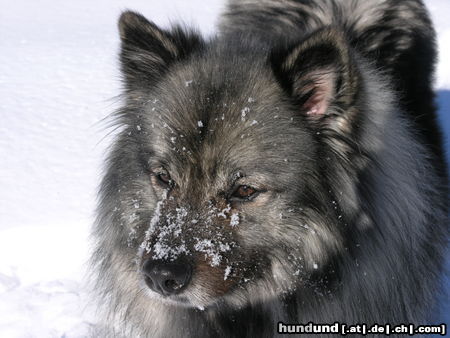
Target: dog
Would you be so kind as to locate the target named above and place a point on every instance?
(288, 170)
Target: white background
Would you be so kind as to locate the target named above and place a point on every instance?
(58, 79)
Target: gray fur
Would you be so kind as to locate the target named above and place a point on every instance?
(351, 223)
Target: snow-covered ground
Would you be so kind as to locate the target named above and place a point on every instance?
(58, 77)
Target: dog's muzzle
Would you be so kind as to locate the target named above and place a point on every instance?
(166, 278)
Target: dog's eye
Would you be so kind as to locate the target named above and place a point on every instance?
(164, 179)
(244, 192)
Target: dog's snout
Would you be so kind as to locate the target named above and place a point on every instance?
(167, 278)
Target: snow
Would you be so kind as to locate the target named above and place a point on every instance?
(170, 229)
(153, 222)
(170, 225)
(207, 246)
(234, 220)
(166, 244)
(41, 288)
(58, 79)
(227, 272)
(244, 112)
(224, 212)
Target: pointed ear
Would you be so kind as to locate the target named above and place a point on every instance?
(321, 75)
(148, 51)
(318, 74)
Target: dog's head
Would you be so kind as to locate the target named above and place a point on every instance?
(229, 157)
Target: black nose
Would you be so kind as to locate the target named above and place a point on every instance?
(166, 278)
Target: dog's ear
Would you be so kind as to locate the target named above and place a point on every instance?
(148, 51)
(318, 74)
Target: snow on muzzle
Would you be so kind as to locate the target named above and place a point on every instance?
(182, 246)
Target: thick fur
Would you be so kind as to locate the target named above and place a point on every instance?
(326, 108)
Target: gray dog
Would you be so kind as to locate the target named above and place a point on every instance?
(289, 170)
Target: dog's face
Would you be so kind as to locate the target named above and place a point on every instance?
(228, 162)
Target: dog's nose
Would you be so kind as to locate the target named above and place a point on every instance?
(166, 278)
